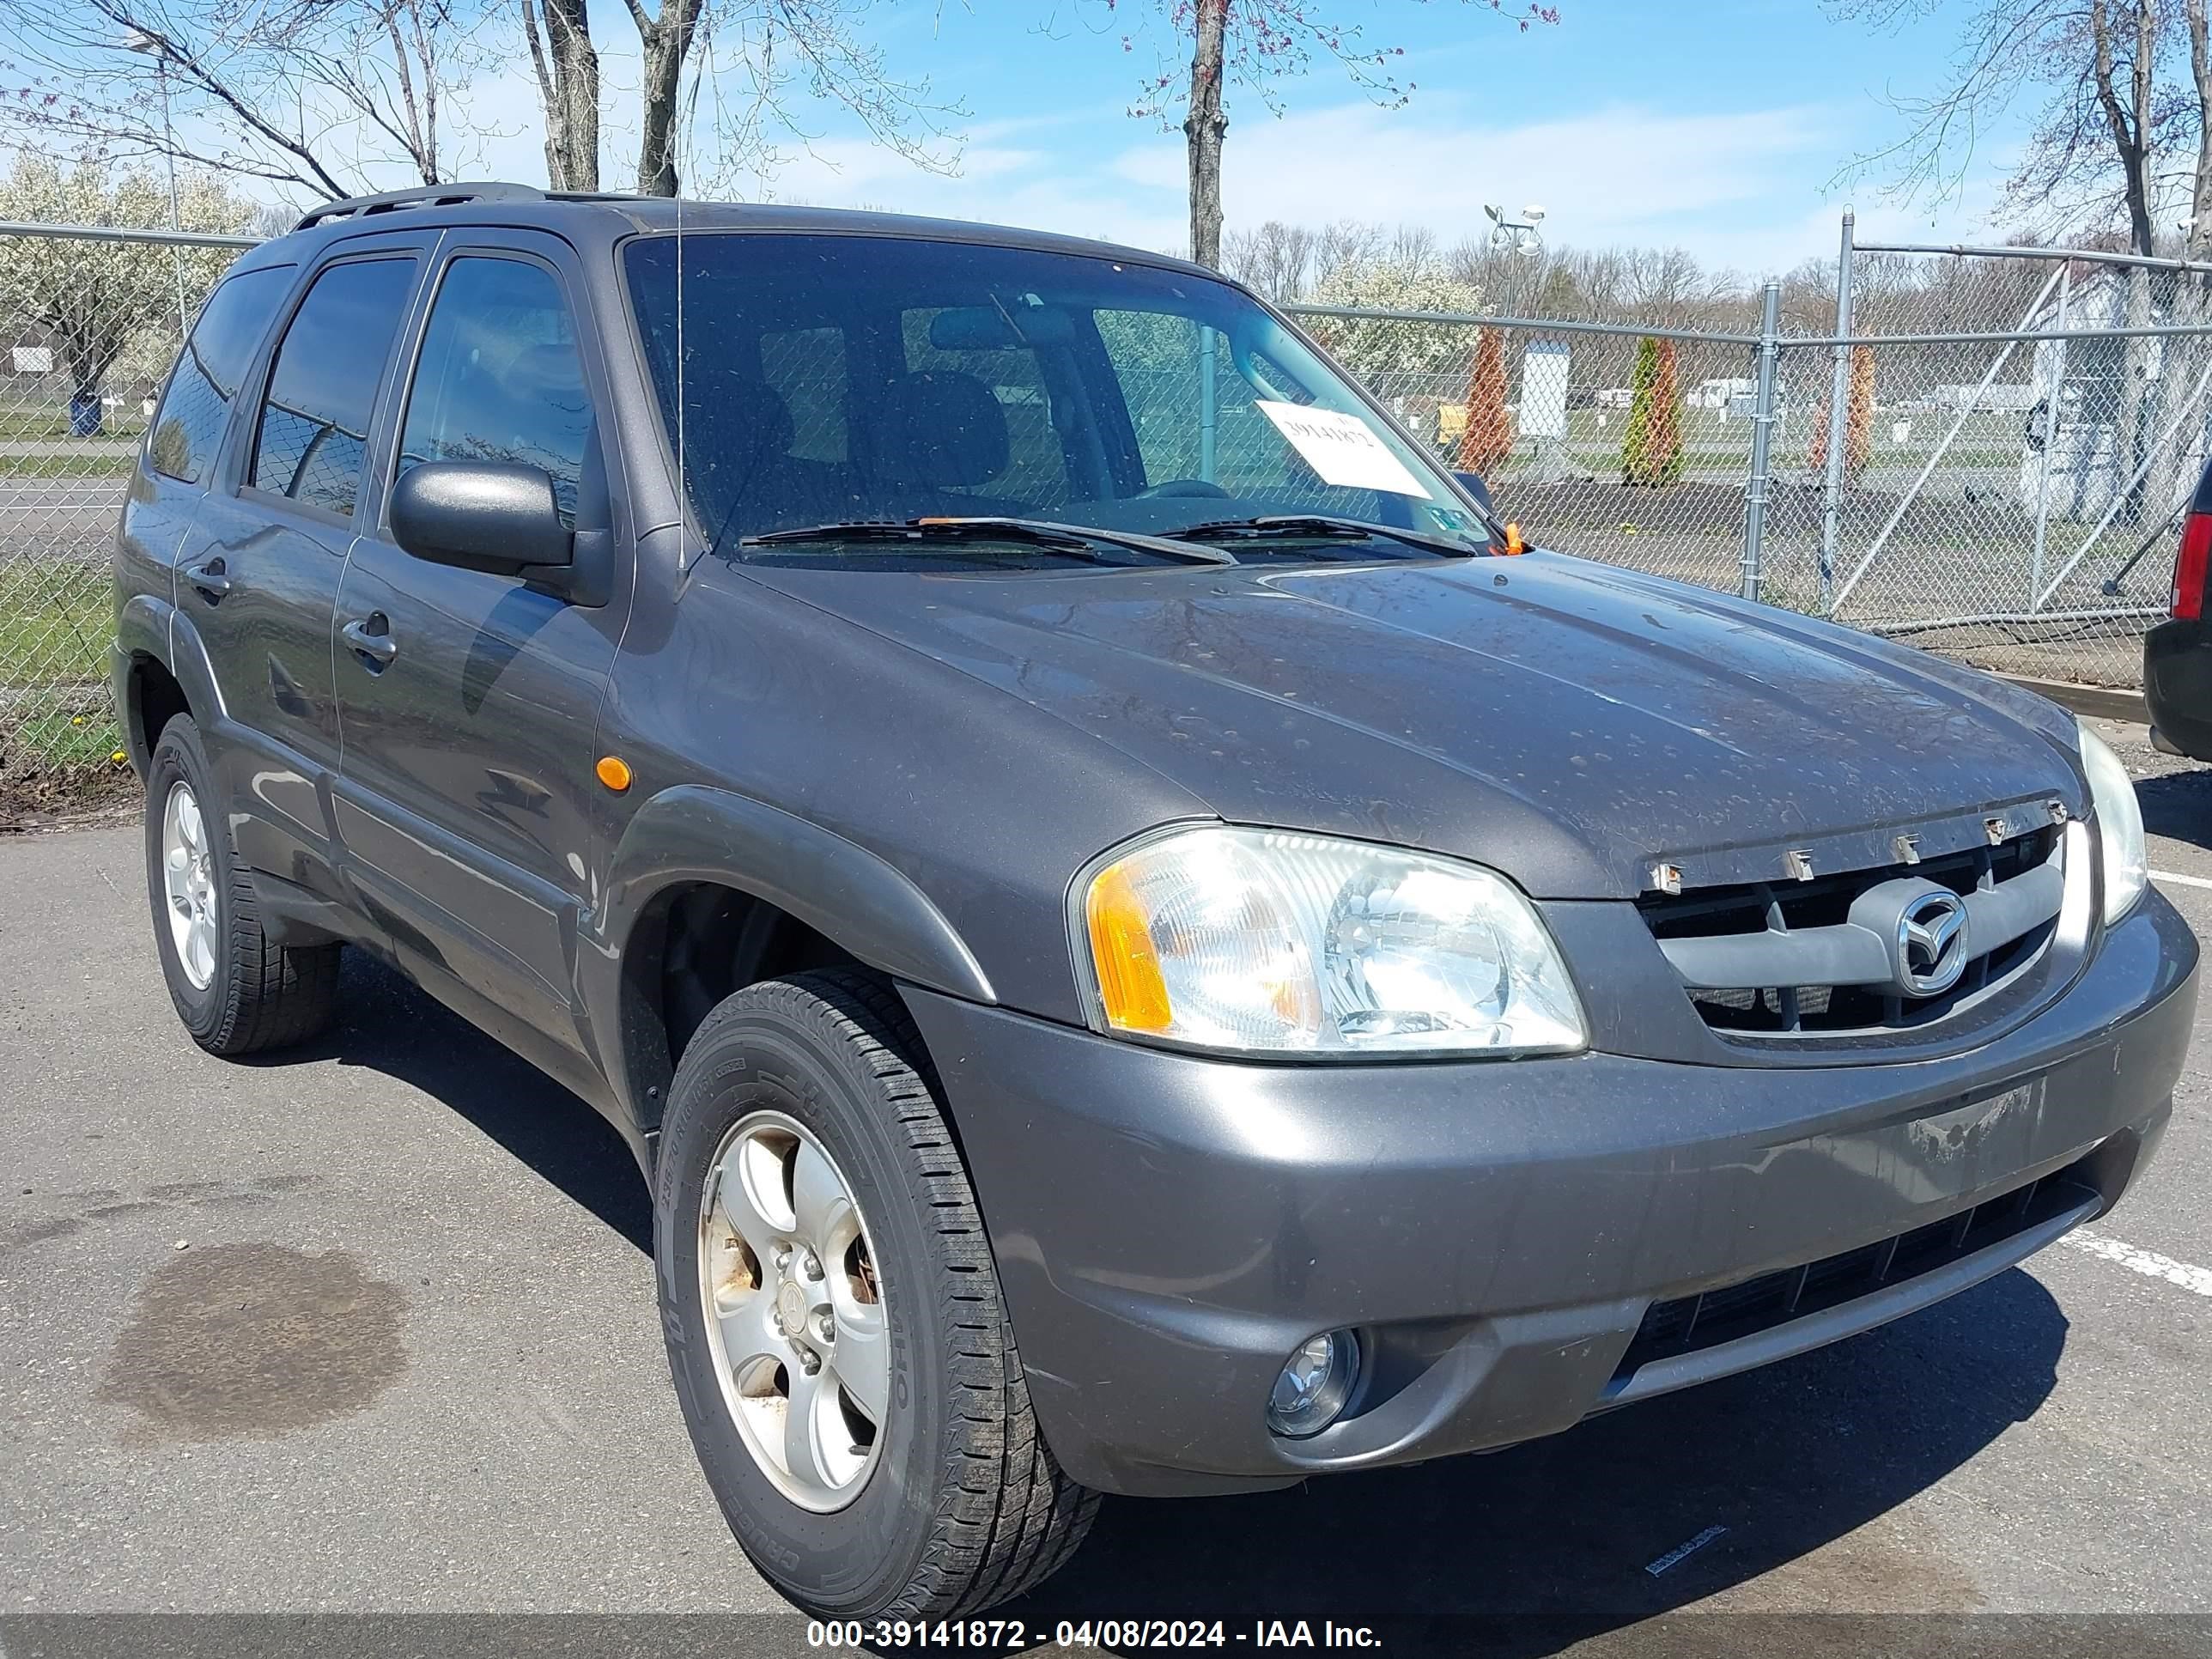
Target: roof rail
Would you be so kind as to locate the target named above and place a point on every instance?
(421, 196)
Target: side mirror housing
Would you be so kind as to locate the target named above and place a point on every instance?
(498, 517)
(1472, 482)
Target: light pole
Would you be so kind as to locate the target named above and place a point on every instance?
(139, 41)
(1545, 364)
(1518, 236)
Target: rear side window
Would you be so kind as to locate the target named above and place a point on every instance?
(188, 427)
(314, 420)
(499, 378)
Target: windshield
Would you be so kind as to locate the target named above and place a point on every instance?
(826, 380)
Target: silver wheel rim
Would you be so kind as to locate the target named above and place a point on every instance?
(188, 885)
(793, 1311)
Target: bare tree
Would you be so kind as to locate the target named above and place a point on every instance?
(1276, 260)
(1343, 243)
(567, 67)
(317, 94)
(1257, 44)
(745, 60)
(2107, 118)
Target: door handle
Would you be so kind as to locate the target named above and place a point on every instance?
(209, 579)
(370, 637)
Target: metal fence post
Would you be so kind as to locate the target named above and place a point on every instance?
(2050, 438)
(1762, 432)
(1839, 394)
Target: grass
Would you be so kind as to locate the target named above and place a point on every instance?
(52, 426)
(42, 468)
(53, 740)
(59, 739)
(56, 619)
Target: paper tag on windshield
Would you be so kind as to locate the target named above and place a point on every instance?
(1342, 449)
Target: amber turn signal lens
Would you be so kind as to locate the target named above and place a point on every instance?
(1130, 985)
(614, 772)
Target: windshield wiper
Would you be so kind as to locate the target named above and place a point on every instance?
(1082, 540)
(1318, 525)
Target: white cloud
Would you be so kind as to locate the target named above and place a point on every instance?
(1740, 190)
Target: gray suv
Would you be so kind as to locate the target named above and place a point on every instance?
(1141, 945)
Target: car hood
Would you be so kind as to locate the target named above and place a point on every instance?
(1568, 723)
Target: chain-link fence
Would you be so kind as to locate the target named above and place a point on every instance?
(2020, 428)
(92, 319)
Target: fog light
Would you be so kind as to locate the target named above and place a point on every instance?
(1315, 1385)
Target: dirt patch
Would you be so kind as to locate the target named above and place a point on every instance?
(252, 1341)
(34, 799)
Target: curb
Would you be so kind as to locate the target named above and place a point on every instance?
(2103, 702)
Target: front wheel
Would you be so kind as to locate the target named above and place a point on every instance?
(834, 1321)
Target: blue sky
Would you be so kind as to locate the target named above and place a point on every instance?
(1717, 125)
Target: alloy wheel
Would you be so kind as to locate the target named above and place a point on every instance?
(188, 877)
(794, 1313)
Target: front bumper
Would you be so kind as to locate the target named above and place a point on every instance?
(1167, 1228)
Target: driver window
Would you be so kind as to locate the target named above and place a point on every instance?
(499, 378)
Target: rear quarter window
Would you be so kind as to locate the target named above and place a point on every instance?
(195, 410)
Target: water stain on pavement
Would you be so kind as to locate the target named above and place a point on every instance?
(251, 1341)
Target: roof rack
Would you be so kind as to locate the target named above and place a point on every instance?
(421, 196)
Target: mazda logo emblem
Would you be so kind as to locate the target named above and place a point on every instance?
(1931, 944)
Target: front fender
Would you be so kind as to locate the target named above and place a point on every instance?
(693, 833)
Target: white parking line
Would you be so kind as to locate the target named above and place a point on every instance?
(2195, 1280)
(1674, 1557)
(2185, 881)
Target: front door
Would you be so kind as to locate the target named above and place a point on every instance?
(259, 577)
(468, 702)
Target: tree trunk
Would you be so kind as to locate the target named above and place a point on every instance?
(1203, 130)
(568, 84)
(666, 45)
(2199, 244)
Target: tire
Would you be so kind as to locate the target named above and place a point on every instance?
(963, 1506)
(242, 994)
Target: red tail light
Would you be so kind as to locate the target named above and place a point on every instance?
(2191, 565)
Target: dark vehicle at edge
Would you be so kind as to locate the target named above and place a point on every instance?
(1141, 945)
(2178, 652)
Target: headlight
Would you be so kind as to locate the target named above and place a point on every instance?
(2120, 827)
(1261, 941)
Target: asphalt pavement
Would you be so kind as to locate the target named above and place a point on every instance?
(370, 1327)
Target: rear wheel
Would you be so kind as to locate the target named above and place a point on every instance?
(834, 1321)
(235, 990)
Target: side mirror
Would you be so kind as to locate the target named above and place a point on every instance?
(1472, 482)
(498, 517)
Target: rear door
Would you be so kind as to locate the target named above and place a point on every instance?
(466, 798)
(259, 580)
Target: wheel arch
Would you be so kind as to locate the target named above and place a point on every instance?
(716, 889)
(151, 691)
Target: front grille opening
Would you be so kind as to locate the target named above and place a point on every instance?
(1840, 1009)
(1843, 1010)
(1825, 900)
(1690, 1324)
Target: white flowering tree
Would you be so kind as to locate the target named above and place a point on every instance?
(107, 308)
(1376, 350)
